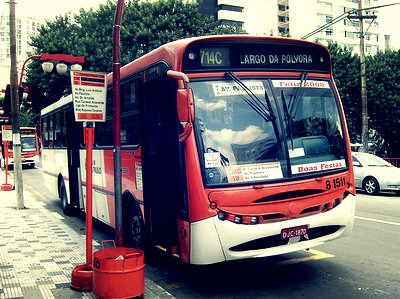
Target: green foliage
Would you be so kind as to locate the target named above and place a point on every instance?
(145, 26)
(346, 72)
(27, 117)
(383, 95)
(383, 77)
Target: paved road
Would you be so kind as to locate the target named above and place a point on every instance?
(362, 265)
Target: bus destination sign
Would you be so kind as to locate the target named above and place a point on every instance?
(261, 56)
(281, 59)
(89, 92)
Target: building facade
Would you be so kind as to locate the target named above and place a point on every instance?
(25, 28)
(294, 18)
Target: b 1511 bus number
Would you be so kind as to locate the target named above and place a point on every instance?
(214, 57)
(335, 183)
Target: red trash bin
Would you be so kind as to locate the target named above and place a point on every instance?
(118, 272)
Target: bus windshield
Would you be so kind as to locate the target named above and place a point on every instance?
(28, 143)
(302, 134)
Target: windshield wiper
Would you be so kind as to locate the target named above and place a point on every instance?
(256, 104)
(294, 103)
(224, 160)
(288, 118)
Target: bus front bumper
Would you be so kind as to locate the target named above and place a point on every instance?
(24, 160)
(213, 240)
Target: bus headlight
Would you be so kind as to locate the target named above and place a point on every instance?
(254, 220)
(221, 215)
(238, 219)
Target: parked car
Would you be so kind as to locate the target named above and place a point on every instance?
(373, 174)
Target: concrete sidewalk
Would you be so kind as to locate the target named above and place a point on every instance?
(38, 252)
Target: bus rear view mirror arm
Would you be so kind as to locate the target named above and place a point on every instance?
(178, 76)
(186, 132)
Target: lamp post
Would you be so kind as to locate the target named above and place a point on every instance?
(117, 123)
(61, 67)
(47, 66)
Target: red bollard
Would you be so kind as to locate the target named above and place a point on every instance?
(6, 186)
(82, 275)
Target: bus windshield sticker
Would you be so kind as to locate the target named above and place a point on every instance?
(212, 160)
(254, 172)
(296, 152)
(222, 89)
(296, 83)
(320, 166)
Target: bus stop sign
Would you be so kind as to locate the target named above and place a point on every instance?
(89, 92)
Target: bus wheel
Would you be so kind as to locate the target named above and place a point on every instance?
(133, 227)
(65, 206)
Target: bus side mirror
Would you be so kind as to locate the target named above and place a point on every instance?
(184, 99)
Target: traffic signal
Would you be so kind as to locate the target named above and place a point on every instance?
(7, 99)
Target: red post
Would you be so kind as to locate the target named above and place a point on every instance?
(6, 186)
(6, 158)
(89, 140)
(82, 275)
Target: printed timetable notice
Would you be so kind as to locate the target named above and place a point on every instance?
(89, 92)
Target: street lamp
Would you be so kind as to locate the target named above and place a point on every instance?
(61, 67)
(47, 66)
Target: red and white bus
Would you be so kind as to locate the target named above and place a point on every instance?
(29, 147)
(233, 147)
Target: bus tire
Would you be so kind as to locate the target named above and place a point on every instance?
(133, 226)
(65, 206)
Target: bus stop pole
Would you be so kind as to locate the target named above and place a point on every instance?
(117, 124)
(89, 140)
(82, 275)
(6, 186)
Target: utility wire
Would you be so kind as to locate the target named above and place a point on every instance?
(341, 17)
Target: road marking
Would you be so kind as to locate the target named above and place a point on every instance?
(317, 255)
(376, 220)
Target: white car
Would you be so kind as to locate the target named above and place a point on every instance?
(373, 174)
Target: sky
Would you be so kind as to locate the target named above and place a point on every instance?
(388, 16)
(50, 8)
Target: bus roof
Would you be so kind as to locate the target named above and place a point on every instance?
(60, 103)
(172, 52)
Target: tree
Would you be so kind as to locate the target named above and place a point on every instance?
(383, 77)
(346, 72)
(145, 26)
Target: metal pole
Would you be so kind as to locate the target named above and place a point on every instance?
(15, 110)
(364, 102)
(117, 124)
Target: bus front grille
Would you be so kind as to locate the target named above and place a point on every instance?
(274, 241)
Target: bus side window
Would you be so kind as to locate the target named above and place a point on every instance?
(130, 134)
(50, 127)
(44, 132)
(63, 133)
(104, 130)
(104, 133)
(57, 129)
